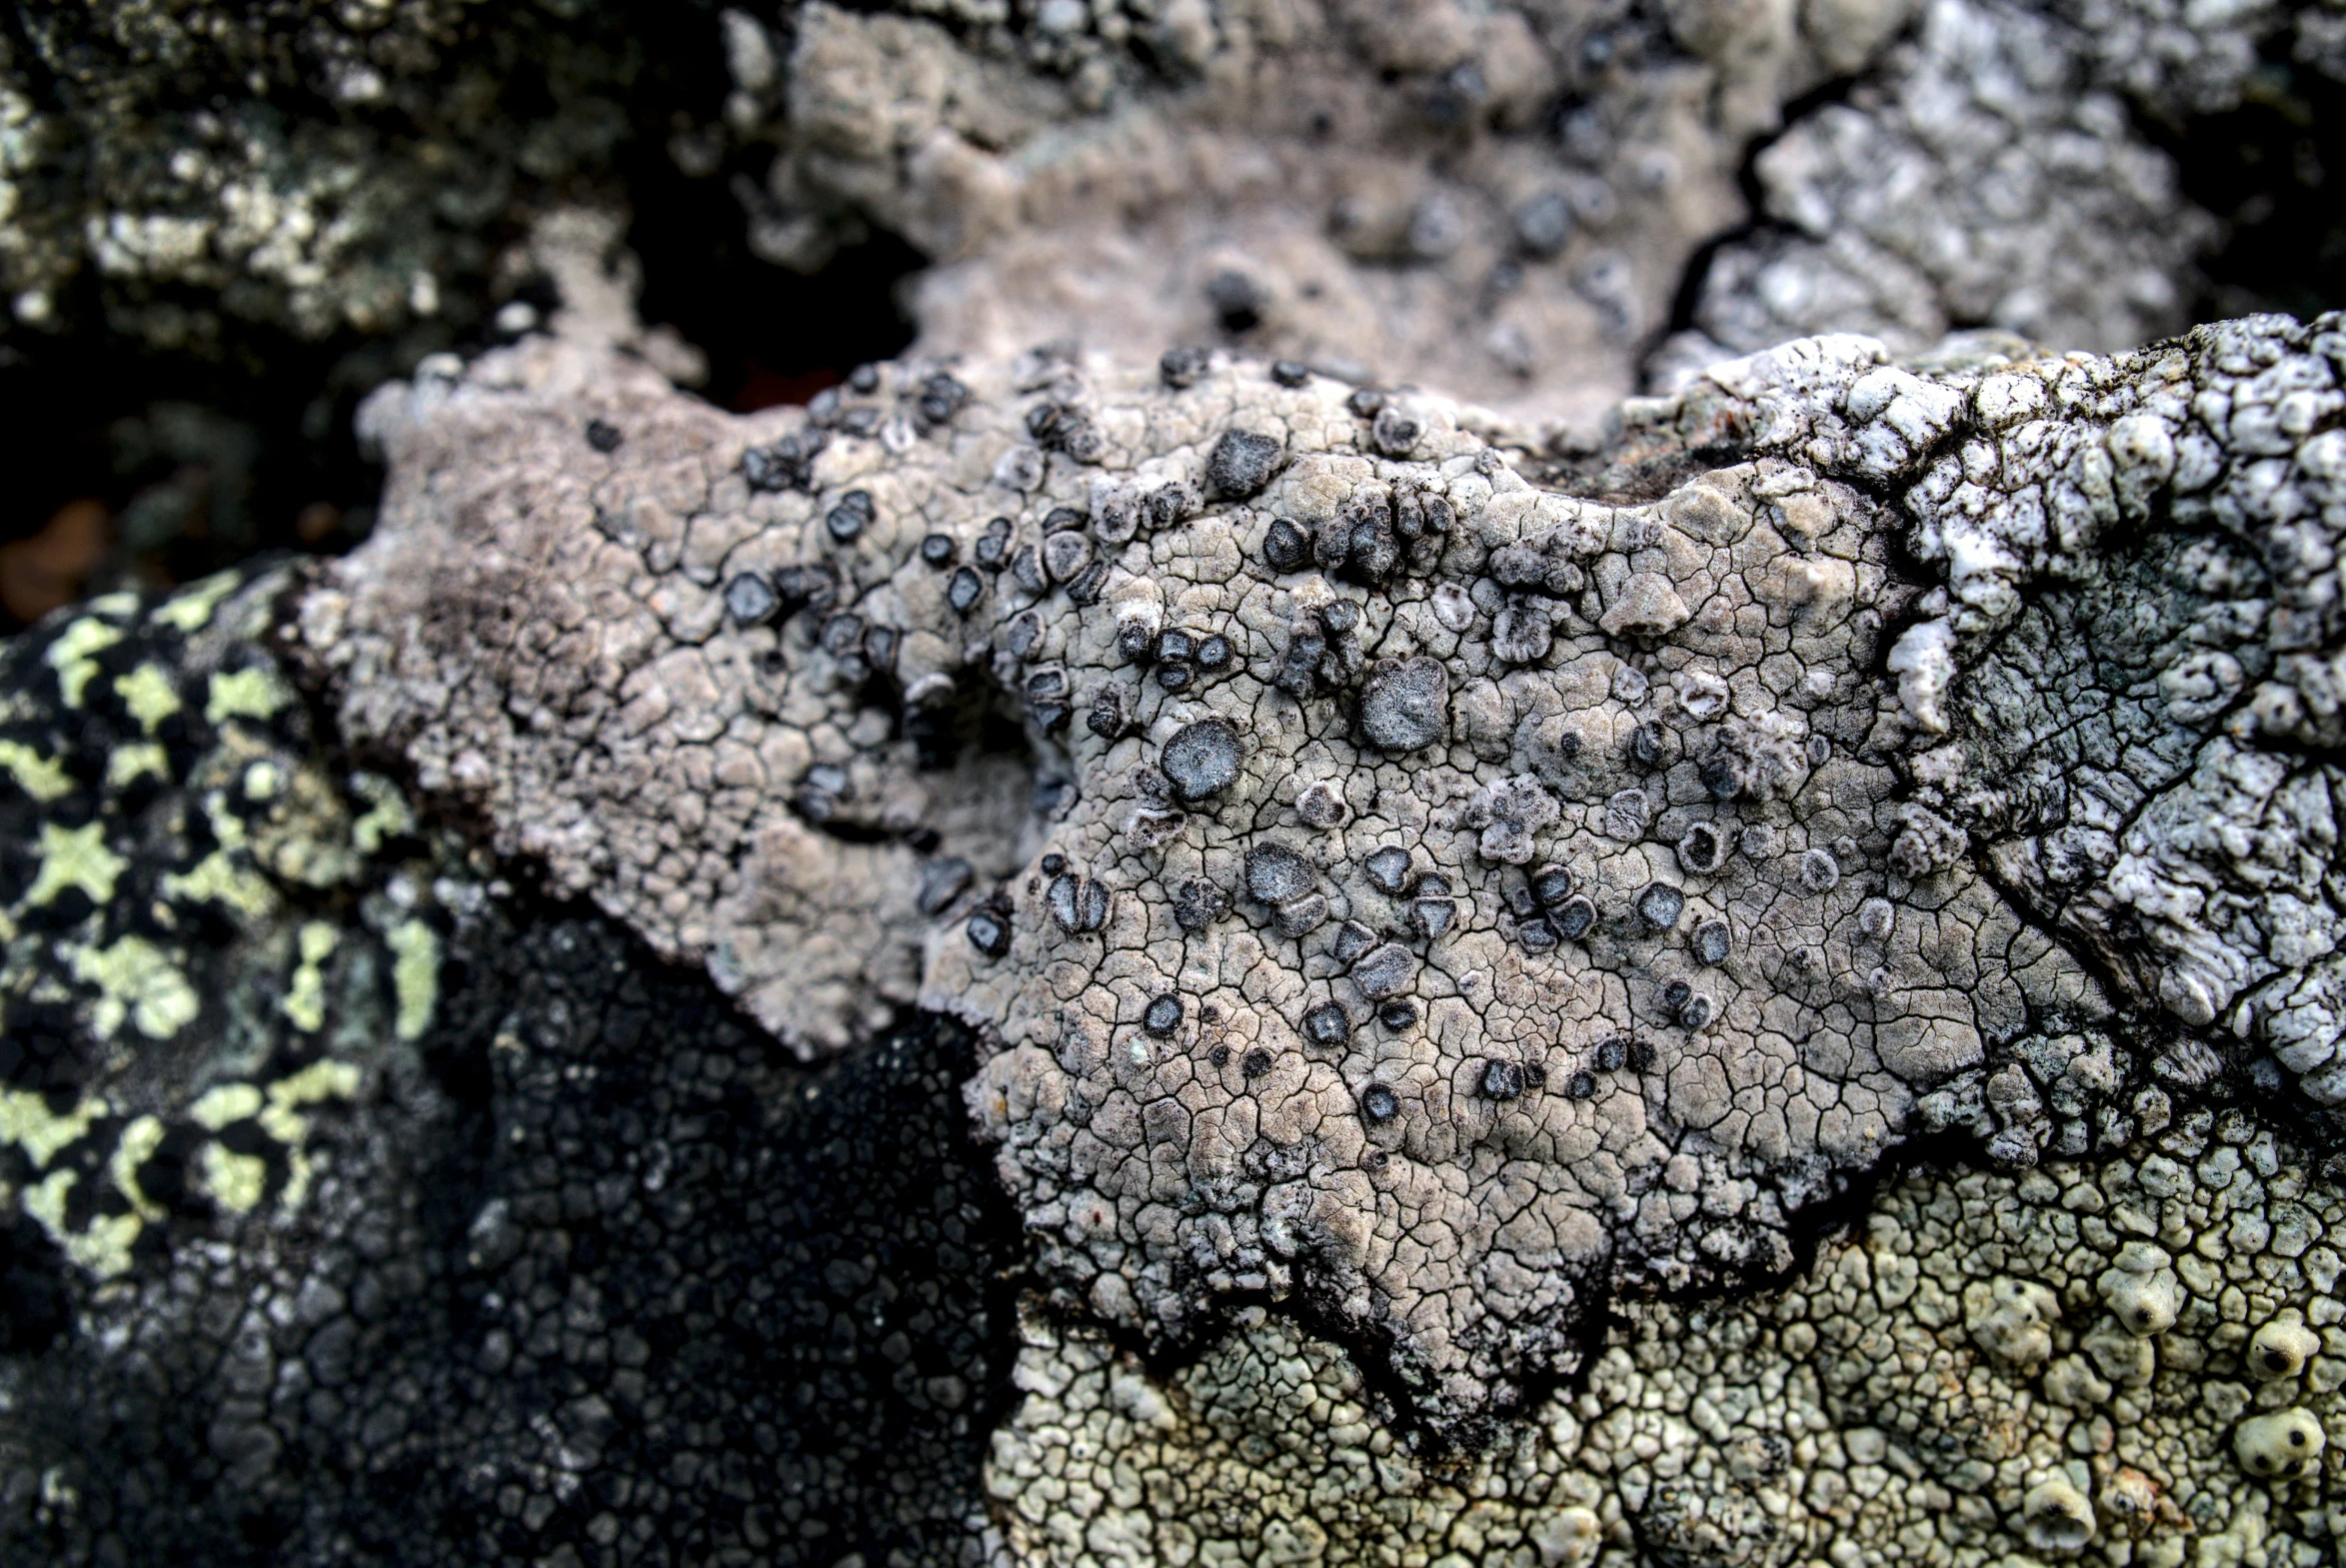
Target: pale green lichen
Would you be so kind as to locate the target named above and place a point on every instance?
(224, 1105)
(415, 975)
(149, 695)
(27, 1122)
(73, 654)
(136, 981)
(388, 815)
(321, 1080)
(256, 693)
(74, 858)
(137, 1144)
(305, 998)
(222, 877)
(191, 608)
(141, 760)
(235, 1181)
(42, 778)
(103, 1248)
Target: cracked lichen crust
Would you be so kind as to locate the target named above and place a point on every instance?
(1981, 175)
(1417, 891)
(2127, 695)
(1434, 897)
(1963, 1380)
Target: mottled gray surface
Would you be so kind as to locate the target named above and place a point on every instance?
(1735, 849)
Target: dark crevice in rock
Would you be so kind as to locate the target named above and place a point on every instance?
(1686, 300)
(2270, 170)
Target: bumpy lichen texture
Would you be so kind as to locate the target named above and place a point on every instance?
(1396, 190)
(1983, 175)
(1422, 894)
(1966, 1380)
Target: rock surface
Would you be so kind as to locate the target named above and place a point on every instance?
(1132, 939)
(1733, 851)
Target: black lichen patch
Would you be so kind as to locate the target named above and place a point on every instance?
(614, 1280)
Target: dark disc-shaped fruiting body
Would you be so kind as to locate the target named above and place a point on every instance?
(1722, 777)
(1202, 760)
(1163, 1016)
(1385, 972)
(1660, 905)
(1077, 904)
(750, 599)
(1388, 871)
(1379, 1104)
(852, 515)
(1300, 916)
(942, 882)
(1066, 555)
(1551, 886)
(1652, 743)
(1183, 366)
(989, 932)
(1712, 942)
(1544, 222)
(1106, 719)
(1242, 463)
(602, 436)
(1329, 1026)
(963, 590)
(1277, 875)
(1676, 995)
(1697, 1012)
(1613, 1054)
(1573, 920)
(1255, 1062)
(939, 549)
(1500, 1080)
(1404, 706)
(1286, 546)
(1580, 1085)
(1396, 431)
(1198, 903)
(1536, 935)
(1702, 847)
(1400, 1014)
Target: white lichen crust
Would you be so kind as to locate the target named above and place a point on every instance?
(1950, 1385)
(1422, 893)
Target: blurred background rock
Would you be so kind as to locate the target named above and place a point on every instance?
(221, 224)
